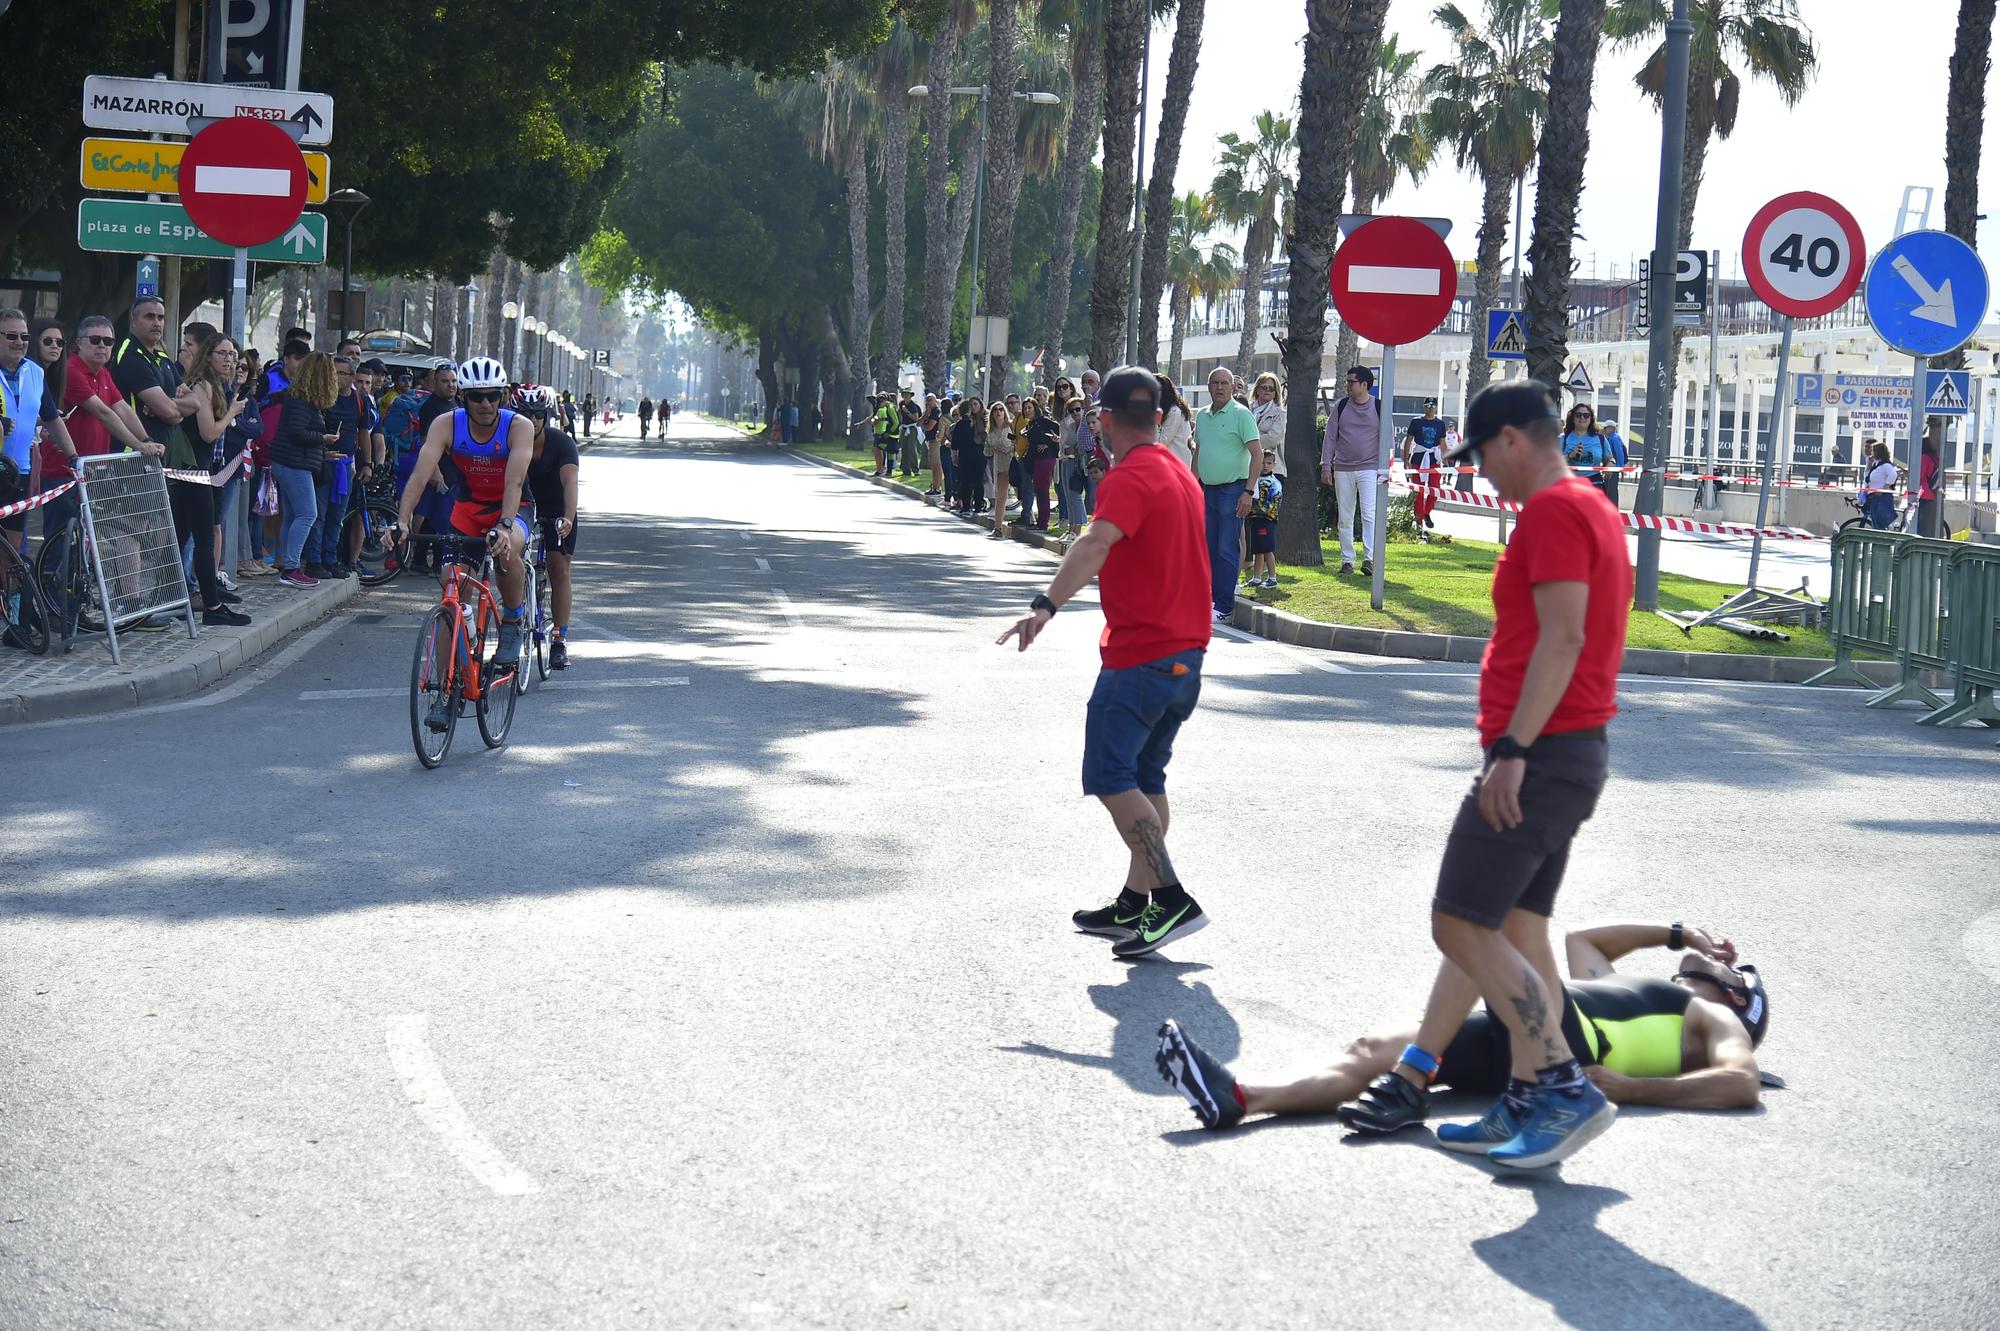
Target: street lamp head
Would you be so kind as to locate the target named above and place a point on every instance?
(510, 311)
(348, 198)
(471, 286)
(1044, 99)
(921, 90)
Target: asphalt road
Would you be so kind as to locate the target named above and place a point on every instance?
(738, 989)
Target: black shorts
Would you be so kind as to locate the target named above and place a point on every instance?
(1480, 1058)
(1263, 535)
(566, 546)
(1485, 873)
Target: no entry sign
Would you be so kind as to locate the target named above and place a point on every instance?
(1803, 255)
(243, 181)
(1393, 280)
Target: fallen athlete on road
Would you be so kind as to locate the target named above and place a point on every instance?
(1688, 1042)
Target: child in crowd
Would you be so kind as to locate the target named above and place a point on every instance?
(1264, 524)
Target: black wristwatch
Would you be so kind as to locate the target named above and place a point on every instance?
(1044, 603)
(1674, 940)
(1506, 747)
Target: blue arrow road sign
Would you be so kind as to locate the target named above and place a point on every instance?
(1946, 392)
(1506, 335)
(1926, 293)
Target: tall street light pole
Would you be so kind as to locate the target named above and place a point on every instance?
(350, 202)
(1660, 349)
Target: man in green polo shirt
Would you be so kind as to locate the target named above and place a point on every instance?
(1227, 453)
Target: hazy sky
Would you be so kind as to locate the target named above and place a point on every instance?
(1871, 123)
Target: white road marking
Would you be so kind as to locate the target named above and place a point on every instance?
(763, 564)
(1982, 944)
(341, 695)
(430, 1095)
(791, 615)
(602, 631)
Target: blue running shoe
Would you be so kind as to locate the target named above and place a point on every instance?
(1482, 1138)
(1557, 1126)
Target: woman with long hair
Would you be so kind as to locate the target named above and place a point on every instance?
(1268, 408)
(211, 388)
(1176, 422)
(1582, 445)
(1044, 448)
(298, 451)
(968, 447)
(1000, 457)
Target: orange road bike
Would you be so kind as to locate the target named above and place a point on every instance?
(454, 662)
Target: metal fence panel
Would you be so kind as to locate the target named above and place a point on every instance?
(131, 530)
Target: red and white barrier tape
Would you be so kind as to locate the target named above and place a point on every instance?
(1633, 520)
(35, 501)
(1634, 469)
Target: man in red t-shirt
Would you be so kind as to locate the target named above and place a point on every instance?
(1548, 683)
(1147, 550)
(96, 413)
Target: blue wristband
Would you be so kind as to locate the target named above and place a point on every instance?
(1421, 1061)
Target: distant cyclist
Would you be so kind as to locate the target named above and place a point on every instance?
(484, 449)
(552, 486)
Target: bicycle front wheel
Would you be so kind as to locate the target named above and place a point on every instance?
(21, 609)
(380, 560)
(434, 675)
(64, 578)
(497, 693)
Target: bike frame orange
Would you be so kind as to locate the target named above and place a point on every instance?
(487, 611)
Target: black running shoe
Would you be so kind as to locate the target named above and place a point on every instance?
(1389, 1103)
(1113, 920)
(1205, 1083)
(1157, 926)
(559, 654)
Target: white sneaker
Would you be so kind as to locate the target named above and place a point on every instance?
(1223, 616)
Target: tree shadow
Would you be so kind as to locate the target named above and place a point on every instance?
(1151, 991)
(1591, 1280)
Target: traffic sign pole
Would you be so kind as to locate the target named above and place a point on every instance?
(1780, 404)
(1917, 405)
(1385, 445)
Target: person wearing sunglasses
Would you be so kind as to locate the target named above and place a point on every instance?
(27, 406)
(489, 449)
(1688, 1042)
(552, 504)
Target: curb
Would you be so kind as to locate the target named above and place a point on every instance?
(1282, 626)
(215, 654)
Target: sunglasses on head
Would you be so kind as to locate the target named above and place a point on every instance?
(483, 394)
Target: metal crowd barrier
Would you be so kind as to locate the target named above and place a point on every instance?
(1861, 606)
(1975, 617)
(1921, 619)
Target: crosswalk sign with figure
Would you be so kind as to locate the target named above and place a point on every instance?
(1506, 335)
(1945, 392)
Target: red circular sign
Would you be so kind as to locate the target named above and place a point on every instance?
(1803, 255)
(1393, 280)
(243, 181)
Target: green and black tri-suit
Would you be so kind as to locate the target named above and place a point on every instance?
(1631, 1024)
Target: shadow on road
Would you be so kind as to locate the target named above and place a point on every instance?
(1591, 1280)
(1152, 991)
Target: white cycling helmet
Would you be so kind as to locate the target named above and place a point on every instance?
(482, 372)
(535, 399)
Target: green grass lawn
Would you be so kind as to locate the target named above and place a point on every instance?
(1435, 588)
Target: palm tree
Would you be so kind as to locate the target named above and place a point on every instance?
(1124, 37)
(1003, 165)
(1559, 184)
(1192, 271)
(1253, 188)
(1488, 104)
(892, 67)
(1392, 140)
(1082, 21)
(1965, 118)
(1160, 188)
(1330, 98)
(947, 215)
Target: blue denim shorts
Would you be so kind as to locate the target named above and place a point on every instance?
(1134, 714)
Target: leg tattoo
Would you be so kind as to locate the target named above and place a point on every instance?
(1534, 1015)
(1147, 839)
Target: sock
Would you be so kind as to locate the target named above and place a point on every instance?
(1236, 1089)
(1518, 1094)
(1566, 1077)
(1131, 899)
(561, 631)
(1170, 895)
(517, 612)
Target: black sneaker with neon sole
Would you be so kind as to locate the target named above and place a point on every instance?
(1159, 925)
(1203, 1081)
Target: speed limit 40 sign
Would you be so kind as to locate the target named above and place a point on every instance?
(1803, 255)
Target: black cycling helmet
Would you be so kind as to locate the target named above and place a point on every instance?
(1755, 1011)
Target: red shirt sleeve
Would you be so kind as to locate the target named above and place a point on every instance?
(1121, 500)
(1561, 544)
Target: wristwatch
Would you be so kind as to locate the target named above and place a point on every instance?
(1043, 603)
(1674, 940)
(1506, 747)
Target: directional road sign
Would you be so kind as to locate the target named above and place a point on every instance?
(1393, 280)
(1803, 254)
(1947, 392)
(157, 106)
(1926, 293)
(1506, 335)
(152, 166)
(245, 182)
(134, 226)
(256, 42)
(1690, 286)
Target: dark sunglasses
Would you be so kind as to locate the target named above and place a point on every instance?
(51, 340)
(15, 337)
(483, 394)
(97, 340)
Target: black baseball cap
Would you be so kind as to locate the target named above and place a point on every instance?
(374, 366)
(1130, 390)
(1495, 407)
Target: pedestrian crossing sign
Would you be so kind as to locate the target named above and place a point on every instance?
(1579, 380)
(1506, 335)
(1946, 391)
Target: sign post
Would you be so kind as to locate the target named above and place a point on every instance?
(1393, 281)
(1926, 293)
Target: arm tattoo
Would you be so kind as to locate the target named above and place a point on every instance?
(1147, 837)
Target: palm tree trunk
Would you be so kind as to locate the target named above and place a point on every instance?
(533, 287)
(1087, 90)
(1179, 309)
(841, 363)
(896, 234)
(1003, 171)
(458, 330)
(1971, 57)
(291, 296)
(1110, 283)
(1330, 97)
(1160, 188)
(496, 295)
(941, 252)
(1559, 186)
(1486, 282)
(857, 300)
(1256, 258)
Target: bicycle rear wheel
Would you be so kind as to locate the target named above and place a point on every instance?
(62, 571)
(545, 622)
(497, 693)
(380, 560)
(523, 673)
(433, 681)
